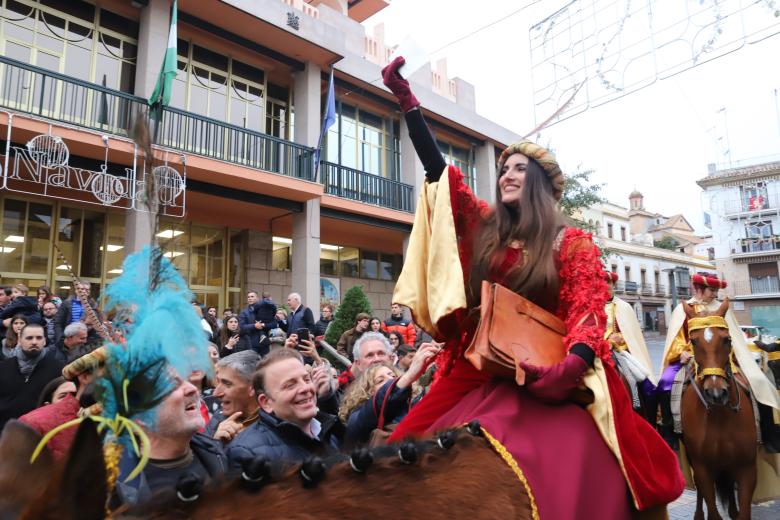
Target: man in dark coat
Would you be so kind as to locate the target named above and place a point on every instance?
(300, 317)
(23, 377)
(290, 428)
(72, 310)
(254, 328)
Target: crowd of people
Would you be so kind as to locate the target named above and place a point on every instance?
(281, 393)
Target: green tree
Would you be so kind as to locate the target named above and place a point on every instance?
(667, 242)
(578, 194)
(353, 303)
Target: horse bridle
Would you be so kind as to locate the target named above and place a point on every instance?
(727, 373)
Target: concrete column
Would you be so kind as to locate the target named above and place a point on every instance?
(412, 171)
(152, 41)
(306, 254)
(306, 96)
(486, 172)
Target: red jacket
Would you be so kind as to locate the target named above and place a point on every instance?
(46, 418)
(402, 326)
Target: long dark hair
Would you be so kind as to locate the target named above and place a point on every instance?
(11, 338)
(225, 334)
(534, 219)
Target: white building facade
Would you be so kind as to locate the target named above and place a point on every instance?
(651, 279)
(744, 211)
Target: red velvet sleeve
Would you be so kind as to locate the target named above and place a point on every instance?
(583, 293)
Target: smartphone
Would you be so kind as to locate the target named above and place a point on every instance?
(303, 334)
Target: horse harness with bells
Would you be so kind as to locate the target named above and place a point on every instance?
(728, 373)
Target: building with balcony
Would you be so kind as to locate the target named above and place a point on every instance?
(245, 204)
(652, 279)
(744, 208)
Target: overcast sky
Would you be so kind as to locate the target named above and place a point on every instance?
(658, 140)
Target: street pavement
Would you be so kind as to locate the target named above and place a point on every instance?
(685, 506)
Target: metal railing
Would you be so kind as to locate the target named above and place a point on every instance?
(34, 90)
(631, 287)
(349, 183)
(620, 286)
(753, 203)
(646, 289)
(756, 245)
(660, 289)
(762, 285)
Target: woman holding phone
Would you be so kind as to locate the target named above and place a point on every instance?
(231, 339)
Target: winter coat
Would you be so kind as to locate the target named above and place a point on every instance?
(19, 394)
(208, 452)
(24, 305)
(365, 418)
(265, 311)
(281, 441)
(321, 327)
(347, 341)
(246, 324)
(46, 418)
(402, 326)
(302, 318)
(64, 314)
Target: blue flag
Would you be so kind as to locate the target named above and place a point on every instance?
(327, 122)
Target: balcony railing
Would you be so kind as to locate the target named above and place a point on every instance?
(631, 287)
(365, 187)
(757, 286)
(753, 203)
(756, 245)
(33, 90)
(646, 289)
(660, 290)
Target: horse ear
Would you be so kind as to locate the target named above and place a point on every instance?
(20, 481)
(689, 311)
(723, 309)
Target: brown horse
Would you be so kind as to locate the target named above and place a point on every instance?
(718, 426)
(457, 473)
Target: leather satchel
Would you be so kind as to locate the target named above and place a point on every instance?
(513, 330)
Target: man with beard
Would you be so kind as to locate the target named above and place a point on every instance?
(177, 449)
(23, 377)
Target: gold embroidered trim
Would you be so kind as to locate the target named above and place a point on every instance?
(705, 322)
(510, 460)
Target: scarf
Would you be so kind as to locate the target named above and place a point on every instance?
(27, 364)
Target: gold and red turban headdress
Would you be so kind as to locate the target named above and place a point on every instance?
(541, 155)
(708, 280)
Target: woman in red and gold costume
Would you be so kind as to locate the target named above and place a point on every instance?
(602, 461)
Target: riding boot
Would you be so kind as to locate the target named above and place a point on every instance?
(770, 432)
(667, 421)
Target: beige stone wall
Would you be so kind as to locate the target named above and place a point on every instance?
(379, 293)
(259, 275)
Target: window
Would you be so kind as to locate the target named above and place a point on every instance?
(364, 141)
(623, 233)
(759, 237)
(643, 277)
(354, 263)
(281, 254)
(609, 230)
(462, 158)
(75, 38)
(627, 271)
(754, 197)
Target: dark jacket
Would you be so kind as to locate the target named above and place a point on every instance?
(64, 314)
(280, 441)
(302, 318)
(19, 395)
(265, 311)
(244, 343)
(208, 452)
(321, 327)
(363, 420)
(246, 324)
(24, 305)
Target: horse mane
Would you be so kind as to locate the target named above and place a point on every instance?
(441, 476)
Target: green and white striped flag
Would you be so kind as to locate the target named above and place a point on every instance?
(162, 90)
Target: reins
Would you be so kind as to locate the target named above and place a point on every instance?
(697, 374)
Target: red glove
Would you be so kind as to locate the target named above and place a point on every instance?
(398, 85)
(555, 383)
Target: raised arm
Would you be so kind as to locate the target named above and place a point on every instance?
(423, 141)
